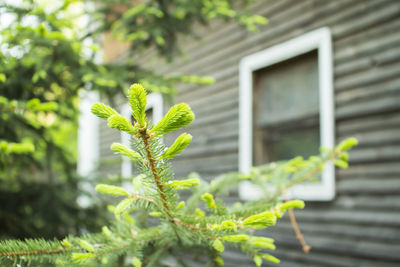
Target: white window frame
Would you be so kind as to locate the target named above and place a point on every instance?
(319, 40)
(88, 134)
(88, 144)
(154, 101)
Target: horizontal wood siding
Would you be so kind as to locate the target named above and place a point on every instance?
(361, 227)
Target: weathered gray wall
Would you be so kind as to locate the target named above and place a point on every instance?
(361, 227)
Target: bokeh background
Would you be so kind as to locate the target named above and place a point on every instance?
(59, 57)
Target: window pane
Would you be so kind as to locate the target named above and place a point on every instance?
(286, 108)
(287, 90)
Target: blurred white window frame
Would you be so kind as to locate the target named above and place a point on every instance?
(88, 144)
(319, 40)
(155, 102)
(88, 134)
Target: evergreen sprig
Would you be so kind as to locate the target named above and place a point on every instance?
(160, 224)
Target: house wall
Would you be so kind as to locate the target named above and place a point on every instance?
(361, 226)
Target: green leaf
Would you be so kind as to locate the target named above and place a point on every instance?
(292, 204)
(266, 245)
(103, 111)
(66, 244)
(348, 143)
(180, 205)
(219, 261)
(261, 239)
(229, 225)
(120, 123)
(177, 117)
(257, 260)
(200, 213)
(341, 163)
(236, 238)
(270, 258)
(218, 246)
(262, 242)
(178, 146)
(137, 100)
(183, 184)
(123, 150)
(344, 156)
(261, 220)
(209, 199)
(111, 190)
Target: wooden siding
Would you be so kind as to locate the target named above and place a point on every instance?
(361, 227)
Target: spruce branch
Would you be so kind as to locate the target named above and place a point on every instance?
(203, 223)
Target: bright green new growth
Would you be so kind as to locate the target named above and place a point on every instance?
(270, 258)
(177, 117)
(348, 143)
(261, 220)
(236, 238)
(137, 101)
(228, 225)
(183, 184)
(217, 244)
(209, 199)
(292, 204)
(262, 242)
(86, 245)
(111, 190)
(178, 146)
(103, 111)
(123, 150)
(203, 224)
(120, 123)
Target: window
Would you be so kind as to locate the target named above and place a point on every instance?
(154, 111)
(286, 109)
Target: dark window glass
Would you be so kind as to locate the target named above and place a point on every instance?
(286, 110)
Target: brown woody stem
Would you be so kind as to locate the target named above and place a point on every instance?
(34, 252)
(299, 235)
(145, 137)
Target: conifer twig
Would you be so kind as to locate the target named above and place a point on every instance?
(191, 226)
(296, 228)
(145, 137)
(35, 252)
(299, 235)
(144, 134)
